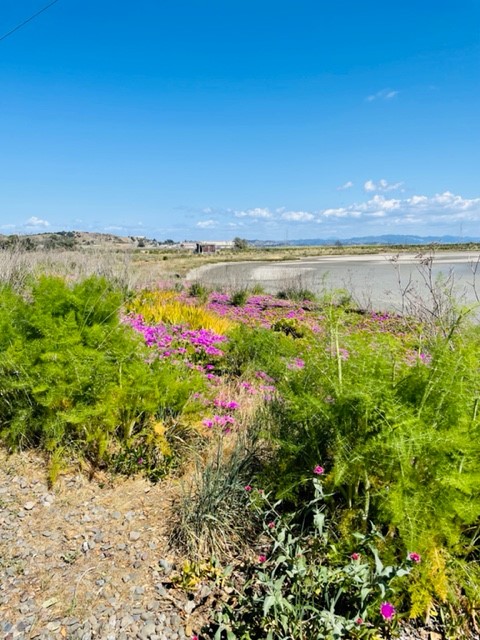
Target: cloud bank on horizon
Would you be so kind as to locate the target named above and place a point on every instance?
(445, 213)
(375, 214)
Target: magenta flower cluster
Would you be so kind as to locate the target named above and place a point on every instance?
(261, 310)
(177, 340)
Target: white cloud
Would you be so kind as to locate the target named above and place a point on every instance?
(380, 211)
(383, 94)
(381, 185)
(36, 222)
(206, 224)
(298, 216)
(258, 212)
(445, 208)
(341, 212)
(347, 185)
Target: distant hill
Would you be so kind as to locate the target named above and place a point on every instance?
(370, 240)
(76, 239)
(81, 239)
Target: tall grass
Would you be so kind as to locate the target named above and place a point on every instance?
(17, 265)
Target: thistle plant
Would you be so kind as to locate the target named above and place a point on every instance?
(305, 584)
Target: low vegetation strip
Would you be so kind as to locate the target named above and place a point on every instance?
(329, 457)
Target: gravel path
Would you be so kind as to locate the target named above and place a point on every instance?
(88, 559)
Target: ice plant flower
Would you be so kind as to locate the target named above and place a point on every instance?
(355, 556)
(318, 470)
(247, 487)
(262, 558)
(271, 525)
(359, 620)
(415, 557)
(387, 610)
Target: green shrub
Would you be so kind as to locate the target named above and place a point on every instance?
(296, 293)
(198, 290)
(399, 437)
(74, 378)
(239, 297)
(256, 349)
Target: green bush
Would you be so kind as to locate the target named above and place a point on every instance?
(74, 378)
(399, 435)
(239, 297)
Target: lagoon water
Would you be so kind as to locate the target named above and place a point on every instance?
(375, 281)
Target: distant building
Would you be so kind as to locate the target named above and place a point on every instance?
(213, 246)
(189, 246)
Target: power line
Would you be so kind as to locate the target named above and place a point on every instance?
(22, 24)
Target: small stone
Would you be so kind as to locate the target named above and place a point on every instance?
(53, 626)
(166, 566)
(28, 506)
(189, 607)
(49, 603)
(134, 535)
(147, 631)
(126, 621)
(160, 589)
(116, 515)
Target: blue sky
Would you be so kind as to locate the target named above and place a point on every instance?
(201, 119)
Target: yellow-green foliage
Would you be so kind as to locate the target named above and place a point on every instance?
(164, 306)
(430, 585)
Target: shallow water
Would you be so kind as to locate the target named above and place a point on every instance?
(378, 281)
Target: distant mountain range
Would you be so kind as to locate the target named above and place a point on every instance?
(370, 240)
(77, 239)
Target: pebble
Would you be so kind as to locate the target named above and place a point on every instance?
(134, 535)
(28, 506)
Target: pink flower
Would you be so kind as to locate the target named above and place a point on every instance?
(318, 470)
(387, 610)
(355, 556)
(262, 558)
(247, 487)
(359, 620)
(195, 637)
(271, 525)
(414, 557)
